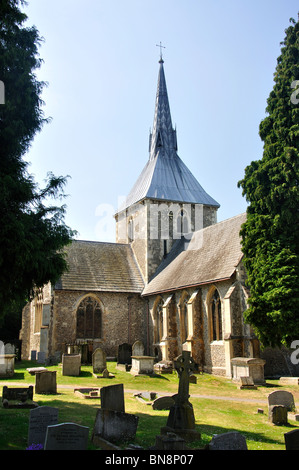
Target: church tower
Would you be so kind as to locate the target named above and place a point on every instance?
(166, 202)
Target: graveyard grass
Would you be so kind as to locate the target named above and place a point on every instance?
(213, 416)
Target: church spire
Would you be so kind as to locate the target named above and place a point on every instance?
(163, 138)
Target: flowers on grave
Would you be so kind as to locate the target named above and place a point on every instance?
(35, 447)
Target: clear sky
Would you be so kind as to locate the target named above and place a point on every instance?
(101, 65)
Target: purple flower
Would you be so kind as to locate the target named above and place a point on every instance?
(35, 447)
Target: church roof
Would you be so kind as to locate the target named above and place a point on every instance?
(211, 255)
(165, 176)
(101, 266)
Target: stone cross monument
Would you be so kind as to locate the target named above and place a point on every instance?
(181, 419)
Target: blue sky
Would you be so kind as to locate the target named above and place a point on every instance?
(101, 65)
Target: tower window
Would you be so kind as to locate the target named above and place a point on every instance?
(131, 230)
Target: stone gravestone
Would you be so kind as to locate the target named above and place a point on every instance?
(282, 397)
(124, 359)
(292, 440)
(45, 382)
(71, 364)
(33, 355)
(18, 397)
(66, 436)
(170, 442)
(181, 420)
(163, 403)
(228, 441)
(112, 397)
(98, 361)
(278, 415)
(114, 426)
(40, 418)
(138, 349)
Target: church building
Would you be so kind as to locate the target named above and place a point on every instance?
(174, 279)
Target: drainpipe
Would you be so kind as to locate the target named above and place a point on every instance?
(129, 318)
(147, 327)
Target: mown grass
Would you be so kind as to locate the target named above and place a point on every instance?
(218, 404)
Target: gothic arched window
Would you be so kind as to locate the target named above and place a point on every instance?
(215, 317)
(183, 223)
(89, 319)
(159, 321)
(184, 318)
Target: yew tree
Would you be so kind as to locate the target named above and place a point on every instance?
(32, 229)
(270, 236)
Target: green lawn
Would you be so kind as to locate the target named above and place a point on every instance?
(219, 406)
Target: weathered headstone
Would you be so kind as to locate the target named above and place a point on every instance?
(66, 436)
(170, 441)
(18, 397)
(114, 426)
(181, 418)
(112, 397)
(45, 382)
(247, 383)
(163, 403)
(278, 415)
(71, 364)
(33, 355)
(292, 440)
(98, 361)
(41, 357)
(7, 365)
(228, 441)
(124, 354)
(40, 418)
(138, 349)
(282, 397)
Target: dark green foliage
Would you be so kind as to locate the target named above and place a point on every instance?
(270, 236)
(32, 231)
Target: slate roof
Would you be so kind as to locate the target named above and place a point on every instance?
(211, 255)
(101, 266)
(165, 176)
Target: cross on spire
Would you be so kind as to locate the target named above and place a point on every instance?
(161, 47)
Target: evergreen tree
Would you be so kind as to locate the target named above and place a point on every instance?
(270, 235)
(32, 229)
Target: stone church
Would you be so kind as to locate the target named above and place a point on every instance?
(174, 279)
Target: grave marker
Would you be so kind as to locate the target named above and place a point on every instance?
(98, 361)
(278, 415)
(292, 440)
(45, 382)
(228, 441)
(66, 436)
(282, 397)
(112, 397)
(71, 364)
(40, 418)
(114, 426)
(181, 418)
(124, 354)
(138, 349)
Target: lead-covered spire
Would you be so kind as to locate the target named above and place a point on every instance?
(165, 176)
(163, 138)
